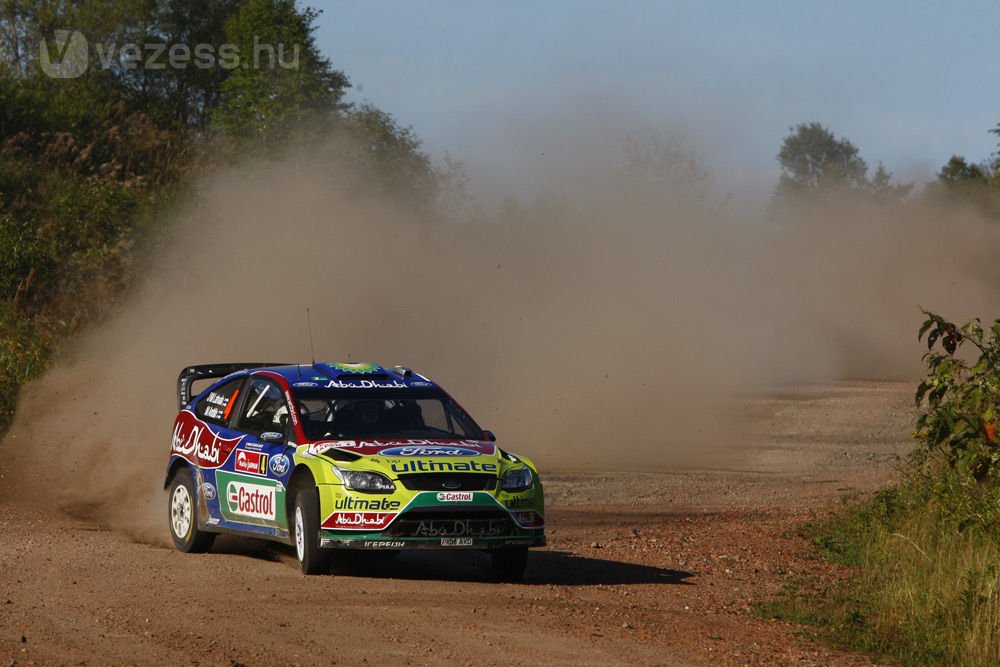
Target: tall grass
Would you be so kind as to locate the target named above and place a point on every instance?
(925, 582)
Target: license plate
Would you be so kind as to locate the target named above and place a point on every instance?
(456, 541)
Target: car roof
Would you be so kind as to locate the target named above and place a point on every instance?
(351, 375)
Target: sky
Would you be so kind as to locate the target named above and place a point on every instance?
(497, 83)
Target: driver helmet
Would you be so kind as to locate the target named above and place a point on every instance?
(370, 412)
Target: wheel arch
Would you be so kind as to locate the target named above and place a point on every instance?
(176, 464)
(302, 477)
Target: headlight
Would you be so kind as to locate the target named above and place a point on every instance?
(370, 482)
(517, 480)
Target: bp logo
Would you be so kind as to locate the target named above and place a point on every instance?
(356, 368)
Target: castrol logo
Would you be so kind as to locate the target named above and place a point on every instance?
(251, 500)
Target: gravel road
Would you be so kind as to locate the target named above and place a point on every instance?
(642, 567)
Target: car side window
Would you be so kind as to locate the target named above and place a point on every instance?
(264, 408)
(217, 405)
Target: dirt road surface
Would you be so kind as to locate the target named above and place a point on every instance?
(657, 568)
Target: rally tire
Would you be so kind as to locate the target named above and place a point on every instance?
(509, 564)
(182, 515)
(305, 533)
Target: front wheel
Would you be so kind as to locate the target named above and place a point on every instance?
(509, 564)
(312, 558)
(182, 515)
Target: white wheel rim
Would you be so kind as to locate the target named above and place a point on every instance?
(180, 512)
(300, 542)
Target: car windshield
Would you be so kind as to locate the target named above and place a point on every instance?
(356, 415)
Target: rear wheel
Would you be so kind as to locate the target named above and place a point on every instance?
(305, 527)
(509, 564)
(182, 515)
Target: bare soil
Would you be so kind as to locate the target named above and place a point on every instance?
(642, 568)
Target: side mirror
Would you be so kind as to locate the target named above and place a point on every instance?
(489, 436)
(271, 436)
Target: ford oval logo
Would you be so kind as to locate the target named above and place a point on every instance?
(428, 451)
(451, 485)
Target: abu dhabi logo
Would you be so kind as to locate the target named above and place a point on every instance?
(71, 55)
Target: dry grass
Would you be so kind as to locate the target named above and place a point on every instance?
(925, 585)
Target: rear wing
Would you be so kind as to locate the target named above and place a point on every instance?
(192, 374)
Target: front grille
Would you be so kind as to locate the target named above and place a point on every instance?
(445, 522)
(449, 481)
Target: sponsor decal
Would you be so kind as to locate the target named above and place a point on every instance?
(443, 466)
(318, 448)
(455, 497)
(369, 504)
(462, 528)
(365, 384)
(208, 491)
(359, 520)
(216, 403)
(428, 451)
(382, 544)
(420, 383)
(195, 441)
(408, 448)
(355, 367)
(254, 463)
(456, 541)
(293, 413)
(280, 464)
(305, 384)
(252, 500)
(519, 503)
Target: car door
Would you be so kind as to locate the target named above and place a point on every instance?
(205, 436)
(252, 489)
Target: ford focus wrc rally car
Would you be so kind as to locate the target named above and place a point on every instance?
(344, 456)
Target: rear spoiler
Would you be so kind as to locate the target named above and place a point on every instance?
(192, 374)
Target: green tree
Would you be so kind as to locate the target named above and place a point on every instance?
(283, 84)
(958, 172)
(377, 148)
(814, 162)
(183, 95)
(969, 183)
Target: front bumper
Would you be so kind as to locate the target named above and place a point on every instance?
(379, 541)
(471, 520)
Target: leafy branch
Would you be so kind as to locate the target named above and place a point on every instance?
(959, 400)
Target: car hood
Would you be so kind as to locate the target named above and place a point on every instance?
(400, 451)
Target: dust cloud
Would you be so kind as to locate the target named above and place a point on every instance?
(611, 323)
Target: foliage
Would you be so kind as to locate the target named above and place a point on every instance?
(382, 152)
(816, 164)
(282, 82)
(960, 398)
(653, 162)
(924, 555)
(919, 589)
(958, 172)
(88, 165)
(977, 184)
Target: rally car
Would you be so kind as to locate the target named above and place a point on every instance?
(337, 456)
